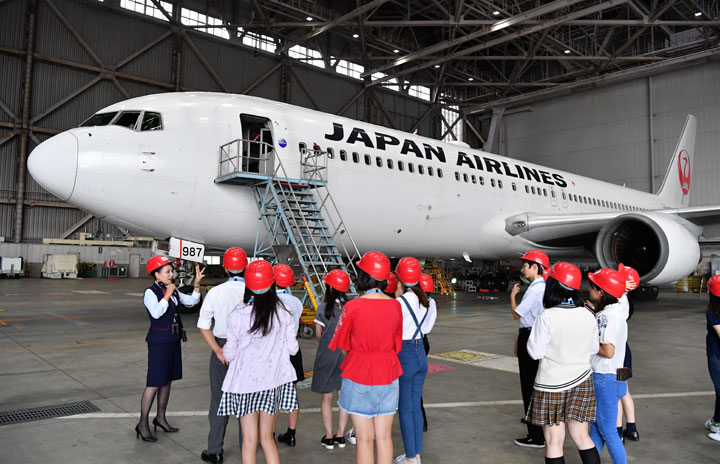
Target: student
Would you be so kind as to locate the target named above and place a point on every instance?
(417, 321)
(609, 375)
(163, 339)
(212, 322)
(534, 263)
(327, 375)
(284, 279)
(626, 404)
(712, 350)
(370, 335)
(428, 286)
(563, 339)
(261, 337)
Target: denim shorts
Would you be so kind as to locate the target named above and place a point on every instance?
(369, 400)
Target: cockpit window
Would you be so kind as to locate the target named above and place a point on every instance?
(99, 119)
(127, 119)
(151, 121)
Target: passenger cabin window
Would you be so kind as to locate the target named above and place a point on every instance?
(368, 161)
(151, 122)
(401, 166)
(100, 119)
(440, 173)
(389, 163)
(457, 175)
(127, 119)
(564, 196)
(492, 182)
(465, 177)
(552, 193)
(474, 179)
(378, 161)
(356, 157)
(532, 189)
(514, 187)
(527, 189)
(482, 180)
(421, 169)
(430, 170)
(343, 155)
(411, 167)
(330, 153)
(499, 183)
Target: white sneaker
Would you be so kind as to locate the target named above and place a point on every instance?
(350, 436)
(714, 436)
(712, 426)
(403, 459)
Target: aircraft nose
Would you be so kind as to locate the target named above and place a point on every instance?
(53, 164)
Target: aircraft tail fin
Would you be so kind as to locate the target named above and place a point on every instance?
(675, 189)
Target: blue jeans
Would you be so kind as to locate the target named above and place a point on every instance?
(714, 369)
(608, 390)
(414, 364)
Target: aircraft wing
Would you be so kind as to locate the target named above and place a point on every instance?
(700, 215)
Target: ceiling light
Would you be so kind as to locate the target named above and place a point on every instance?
(698, 14)
(470, 79)
(309, 18)
(355, 36)
(437, 66)
(496, 13)
(396, 51)
(567, 52)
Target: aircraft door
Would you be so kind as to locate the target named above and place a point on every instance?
(257, 145)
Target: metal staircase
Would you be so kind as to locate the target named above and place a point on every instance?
(299, 222)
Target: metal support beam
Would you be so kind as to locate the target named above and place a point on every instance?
(494, 125)
(350, 102)
(304, 87)
(262, 78)
(651, 116)
(76, 226)
(387, 114)
(76, 35)
(204, 63)
(422, 119)
(475, 131)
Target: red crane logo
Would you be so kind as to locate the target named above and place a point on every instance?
(684, 171)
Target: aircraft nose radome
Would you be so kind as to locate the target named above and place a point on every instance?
(53, 164)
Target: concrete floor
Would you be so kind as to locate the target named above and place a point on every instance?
(59, 346)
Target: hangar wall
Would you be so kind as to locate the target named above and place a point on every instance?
(88, 55)
(605, 132)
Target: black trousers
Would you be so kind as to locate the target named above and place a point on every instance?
(528, 371)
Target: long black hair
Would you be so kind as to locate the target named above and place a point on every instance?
(331, 295)
(556, 293)
(606, 300)
(419, 293)
(264, 309)
(366, 281)
(714, 304)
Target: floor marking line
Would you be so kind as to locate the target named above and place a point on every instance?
(463, 404)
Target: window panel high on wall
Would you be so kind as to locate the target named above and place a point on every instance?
(147, 7)
(194, 18)
(307, 55)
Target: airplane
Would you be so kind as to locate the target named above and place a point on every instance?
(149, 164)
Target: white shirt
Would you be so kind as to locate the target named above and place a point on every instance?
(294, 305)
(531, 304)
(158, 308)
(625, 305)
(219, 303)
(612, 328)
(409, 326)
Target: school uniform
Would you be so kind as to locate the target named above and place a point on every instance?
(219, 303)
(417, 321)
(327, 374)
(529, 309)
(295, 306)
(163, 337)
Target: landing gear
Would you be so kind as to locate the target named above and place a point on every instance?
(646, 293)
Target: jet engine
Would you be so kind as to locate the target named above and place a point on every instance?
(661, 247)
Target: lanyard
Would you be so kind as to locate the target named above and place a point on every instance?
(536, 282)
(236, 279)
(250, 301)
(412, 313)
(374, 290)
(283, 292)
(568, 302)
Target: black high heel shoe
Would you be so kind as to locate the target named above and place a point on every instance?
(140, 435)
(169, 428)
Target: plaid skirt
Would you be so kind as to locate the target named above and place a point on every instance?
(241, 404)
(550, 408)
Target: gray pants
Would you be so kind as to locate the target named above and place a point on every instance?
(218, 424)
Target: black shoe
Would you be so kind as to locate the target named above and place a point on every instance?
(169, 428)
(523, 420)
(144, 438)
(528, 442)
(339, 441)
(634, 436)
(211, 457)
(328, 443)
(287, 439)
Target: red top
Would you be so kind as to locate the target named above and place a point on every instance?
(371, 331)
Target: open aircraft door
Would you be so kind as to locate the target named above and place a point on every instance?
(258, 150)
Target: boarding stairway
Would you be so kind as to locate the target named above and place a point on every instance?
(299, 223)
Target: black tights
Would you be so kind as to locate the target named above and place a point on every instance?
(148, 397)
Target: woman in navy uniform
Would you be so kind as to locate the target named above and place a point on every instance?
(163, 339)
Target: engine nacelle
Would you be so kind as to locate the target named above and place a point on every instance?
(661, 247)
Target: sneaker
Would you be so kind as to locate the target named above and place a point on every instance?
(634, 436)
(350, 436)
(339, 441)
(528, 442)
(328, 443)
(712, 426)
(287, 439)
(714, 436)
(403, 459)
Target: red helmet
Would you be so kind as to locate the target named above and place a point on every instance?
(630, 274)
(537, 256)
(337, 279)
(426, 283)
(713, 285)
(259, 276)
(408, 271)
(156, 262)
(567, 274)
(284, 276)
(609, 281)
(376, 264)
(392, 284)
(235, 259)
